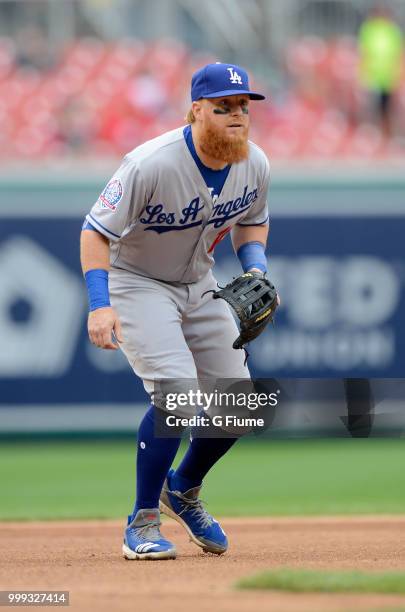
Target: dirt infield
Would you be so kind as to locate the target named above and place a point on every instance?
(85, 558)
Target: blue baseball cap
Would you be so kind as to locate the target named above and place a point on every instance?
(217, 80)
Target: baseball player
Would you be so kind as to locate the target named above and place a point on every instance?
(147, 251)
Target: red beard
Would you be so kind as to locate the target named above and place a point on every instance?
(216, 144)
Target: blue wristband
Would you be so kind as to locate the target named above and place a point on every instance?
(97, 288)
(251, 255)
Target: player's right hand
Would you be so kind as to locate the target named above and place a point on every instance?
(103, 325)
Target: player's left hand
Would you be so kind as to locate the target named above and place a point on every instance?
(254, 299)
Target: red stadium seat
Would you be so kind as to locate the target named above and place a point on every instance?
(114, 95)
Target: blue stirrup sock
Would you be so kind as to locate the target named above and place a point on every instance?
(252, 255)
(200, 457)
(156, 455)
(153, 461)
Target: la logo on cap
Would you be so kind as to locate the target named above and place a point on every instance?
(234, 76)
(218, 80)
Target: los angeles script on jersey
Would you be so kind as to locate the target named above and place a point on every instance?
(157, 219)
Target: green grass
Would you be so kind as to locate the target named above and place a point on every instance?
(84, 479)
(310, 581)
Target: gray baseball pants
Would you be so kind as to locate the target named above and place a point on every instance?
(172, 331)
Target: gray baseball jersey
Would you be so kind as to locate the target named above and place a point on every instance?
(160, 217)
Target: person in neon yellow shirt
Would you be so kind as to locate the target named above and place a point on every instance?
(381, 58)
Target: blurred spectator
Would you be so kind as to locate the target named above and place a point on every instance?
(381, 49)
(147, 95)
(33, 50)
(77, 126)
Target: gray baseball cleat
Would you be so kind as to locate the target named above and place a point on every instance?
(142, 537)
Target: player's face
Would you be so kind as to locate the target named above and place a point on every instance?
(230, 114)
(224, 127)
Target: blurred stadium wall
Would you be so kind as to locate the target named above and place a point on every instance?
(82, 82)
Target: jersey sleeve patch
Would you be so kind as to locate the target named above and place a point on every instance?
(111, 195)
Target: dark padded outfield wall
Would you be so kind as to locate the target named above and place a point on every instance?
(336, 256)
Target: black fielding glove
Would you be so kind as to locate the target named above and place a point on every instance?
(254, 299)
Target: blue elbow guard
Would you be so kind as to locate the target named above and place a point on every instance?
(97, 288)
(251, 255)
